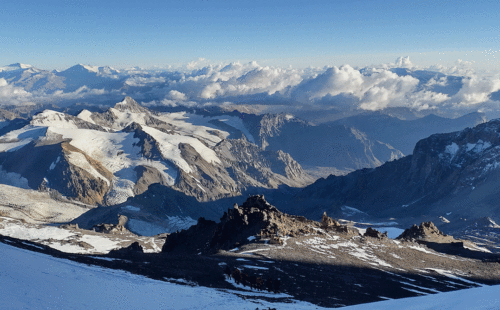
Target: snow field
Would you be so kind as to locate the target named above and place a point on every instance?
(57, 238)
(30, 280)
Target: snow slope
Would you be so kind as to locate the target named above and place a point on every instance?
(487, 297)
(30, 280)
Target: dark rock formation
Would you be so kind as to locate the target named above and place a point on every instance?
(254, 219)
(373, 233)
(112, 228)
(425, 232)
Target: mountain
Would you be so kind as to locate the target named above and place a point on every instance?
(106, 157)
(69, 80)
(31, 78)
(322, 149)
(91, 77)
(404, 134)
(453, 176)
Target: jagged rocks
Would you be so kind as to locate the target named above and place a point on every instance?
(425, 232)
(132, 250)
(373, 233)
(327, 222)
(113, 229)
(254, 219)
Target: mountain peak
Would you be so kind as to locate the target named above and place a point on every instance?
(20, 66)
(15, 67)
(129, 105)
(83, 68)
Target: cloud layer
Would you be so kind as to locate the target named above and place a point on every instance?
(399, 84)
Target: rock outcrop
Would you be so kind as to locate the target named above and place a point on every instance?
(370, 232)
(255, 219)
(426, 232)
(112, 228)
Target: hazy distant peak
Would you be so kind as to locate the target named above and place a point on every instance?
(15, 66)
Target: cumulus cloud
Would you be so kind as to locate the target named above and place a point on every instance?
(459, 68)
(13, 95)
(375, 88)
(176, 95)
(424, 100)
(140, 81)
(196, 63)
(343, 87)
(404, 62)
(476, 90)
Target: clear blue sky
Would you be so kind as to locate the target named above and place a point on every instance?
(58, 34)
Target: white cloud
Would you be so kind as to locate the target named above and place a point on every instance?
(425, 100)
(13, 95)
(140, 81)
(376, 89)
(176, 95)
(476, 90)
(404, 62)
(195, 63)
(344, 87)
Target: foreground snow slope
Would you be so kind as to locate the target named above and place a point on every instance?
(487, 297)
(30, 280)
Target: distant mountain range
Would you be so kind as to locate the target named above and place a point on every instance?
(450, 177)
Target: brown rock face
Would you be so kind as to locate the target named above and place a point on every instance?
(370, 232)
(327, 222)
(425, 232)
(113, 229)
(255, 219)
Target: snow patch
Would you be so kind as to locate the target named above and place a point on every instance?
(452, 149)
(132, 208)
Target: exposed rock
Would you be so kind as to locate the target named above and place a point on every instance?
(69, 226)
(131, 251)
(112, 228)
(370, 232)
(425, 232)
(327, 222)
(239, 225)
(447, 172)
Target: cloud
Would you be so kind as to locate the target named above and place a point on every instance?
(425, 100)
(374, 88)
(404, 62)
(476, 90)
(195, 63)
(459, 68)
(140, 81)
(176, 95)
(13, 95)
(342, 88)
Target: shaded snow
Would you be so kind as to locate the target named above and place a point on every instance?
(452, 149)
(30, 280)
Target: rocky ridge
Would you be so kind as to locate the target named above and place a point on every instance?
(104, 158)
(450, 175)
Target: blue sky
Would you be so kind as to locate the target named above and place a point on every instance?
(58, 34)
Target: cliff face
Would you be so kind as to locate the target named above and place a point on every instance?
(453, 174)
(105, 158)
(323, 148)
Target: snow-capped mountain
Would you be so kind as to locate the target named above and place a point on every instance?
(107, 157)
(452, 175)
